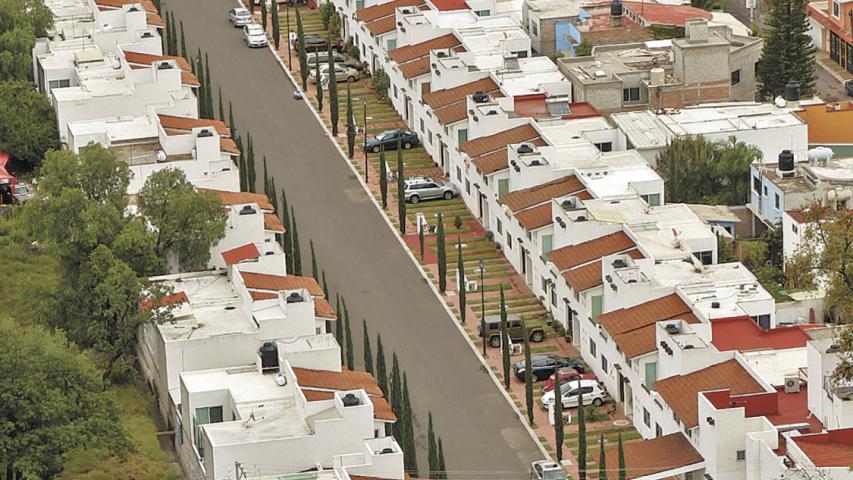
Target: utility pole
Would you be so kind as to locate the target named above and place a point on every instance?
(482, 305)
(364, 147)
(287, 16)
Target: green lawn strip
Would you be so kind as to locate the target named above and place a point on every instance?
(543, 349)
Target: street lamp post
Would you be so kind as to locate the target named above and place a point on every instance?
(289, 56)
(364, 146)
(482, 306)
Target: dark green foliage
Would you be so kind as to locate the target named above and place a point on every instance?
(528, 379)
(602, 461)
(221, 110)
(460, 274)
(326, 294)
(581, 438)
(264, 14)
(623, 472)
(319, 84)
(314, 272)
(22, 22)
(173, 36)
(183, 41)
(788, 53)
(241, 164)
(333, 92)
(350, 126)
(700, 171)
(327, 9)
(348, 338)
(339, 328)
(396, 385)
(383, 178)
(708, 5)
(457, 222)
(297, 253)
(27, 123)
(231, 126)
(401, 190)
(432, 450)
(583, 49)
(421, 241)
(380, 82)
(442, 470)
(441, 252)
(505, 343)
(273, 196)
(266, 178)
(250, 164)
(303, 58)
(208, 89)
(287, 243)
(368, 353)
(410, 458)
(381, 370)
(165, 36)
(276, 26)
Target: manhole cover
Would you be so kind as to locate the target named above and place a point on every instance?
(621, 423)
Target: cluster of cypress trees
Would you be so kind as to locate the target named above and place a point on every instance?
(435, 449)
(201, 67)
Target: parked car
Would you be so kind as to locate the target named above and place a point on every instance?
(22, 192)
(239, 17)
(515, 330)
(254, 36)
(389, 138)
(354, 64)
(546, 470)
(342, 74)
(566, 374)
(418, 189)
(323, 58)
(543, 366)
(317, 43)
(593, 394)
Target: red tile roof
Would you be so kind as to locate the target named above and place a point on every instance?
(447, 5)
(256, 296)
(275, 283)
(134, 58)
(173, 299)
(418, 50)
(147, 5)
(381, 407)
(499, 141)
(665, 14)
(831, 449)
(343, 380)
(237, 255)
(226, 145)
(652, 457)
(273, 223)
(415, 68)
(382, 26)
(574, 255)
(229, 199)
(680, 392)
(589, 275)
(778, 407)
(183, 125)
(323, 309)
(441, 98)
(189, 78)
(375, 12)
(521, 199)
(497, 161)
(535, 106)
(536, 217)
(633, 328)
(743, 334)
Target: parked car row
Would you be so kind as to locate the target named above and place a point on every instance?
(570, 392)
(342, 74)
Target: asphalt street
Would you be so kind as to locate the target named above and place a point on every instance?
(362, 259)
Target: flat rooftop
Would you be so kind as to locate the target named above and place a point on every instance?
(117, 129)
(608, 63)
(621, 170)
(546, 9)
(779, 408)
(743, 334)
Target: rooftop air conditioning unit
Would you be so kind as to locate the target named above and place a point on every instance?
(792, 384)
(441, 54)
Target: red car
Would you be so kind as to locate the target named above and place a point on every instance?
(566, 374)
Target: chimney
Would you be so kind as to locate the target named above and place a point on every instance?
(616, 13)
(697, 30)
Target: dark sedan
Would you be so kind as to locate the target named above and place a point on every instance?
(545, 365)
(390, 138)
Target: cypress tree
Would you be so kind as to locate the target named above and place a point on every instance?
(266, 178)
(558, 423)
(273, 196)
(165, 38)
(156, 4)
(411, 458)
(333, 91)
(383, 177)
(250, 164)
(339, 328)
(381, 370)
(314, 272)
(442, 256)
(241, 159)
(326, 294)
(350, 125)
(432, 449)
(396, 386)
(221, 110)
(297, 253)
(788, 53)
(528, 379)
(276, 26)
(202, 103)
(442, 470)
(287, 244)
(401, 190)
(303, 58)
(421, 240)
(319, 84)
(460, 274)
(231, 126)
(264, 14)
(348, 338)
(505, 343)
(208, 89)
(581, 439)
(602, 461)
(623, 472)
(183, 41)
(368, 354)
(173, 36)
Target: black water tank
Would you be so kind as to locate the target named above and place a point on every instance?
(480, 97)
(247, 210)
(350, 400)
(269, 355)
(786, 161)
(792, 91)
(616, 8)
(294, 297)
(524, 148)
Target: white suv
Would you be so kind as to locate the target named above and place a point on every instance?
(592, 394)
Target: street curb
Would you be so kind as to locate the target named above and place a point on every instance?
(408, 251)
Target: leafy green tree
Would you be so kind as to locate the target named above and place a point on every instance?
(788, 53)
(348, 338)
(460, 274)
(528, 378)
(602, 460)
(368, 354)
(350, 125)
(383, 177)
(327, 9)
(22, 22)
(401, 190)
(441, 252)
(505, 344)
(53, 403)
(314, 271)
(583, 49)
(432, 449)
(333, 91)
(319, 84)
(27, 122)
(303, 56)
(276, 26)
(381, 370)
(297, 253)
(187, 222)
(183, 41)
(623, 472)
(250, 164)
(581, 437)
(457, 222)
(558, 427)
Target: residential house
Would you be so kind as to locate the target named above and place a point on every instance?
(831, 27)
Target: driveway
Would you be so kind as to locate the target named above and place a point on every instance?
(361, 257)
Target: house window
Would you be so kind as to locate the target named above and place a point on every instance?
(203, 416)
(736, 77)
(706, 257)
(392, 44)
(651, 374)
(776, 201)
(422, 126)
(658, 431)
(647, 417)
(631, 94)
(604, 146)
(653, 199)
(534, 28)
(547, 245)
(553, 296)
(359, 4)
(500, 227)
(604, 364)
(592, 348)
(483, 13)
(458, 174)
(741, 455)
(795, 229)
(395, 91)
(462, 136)
(596, 308)
(429, 137)
(756, 184)
(765, 191)
(836, 9)
(503, 186)
(467, 186)
(59, 84)
(508, 240)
